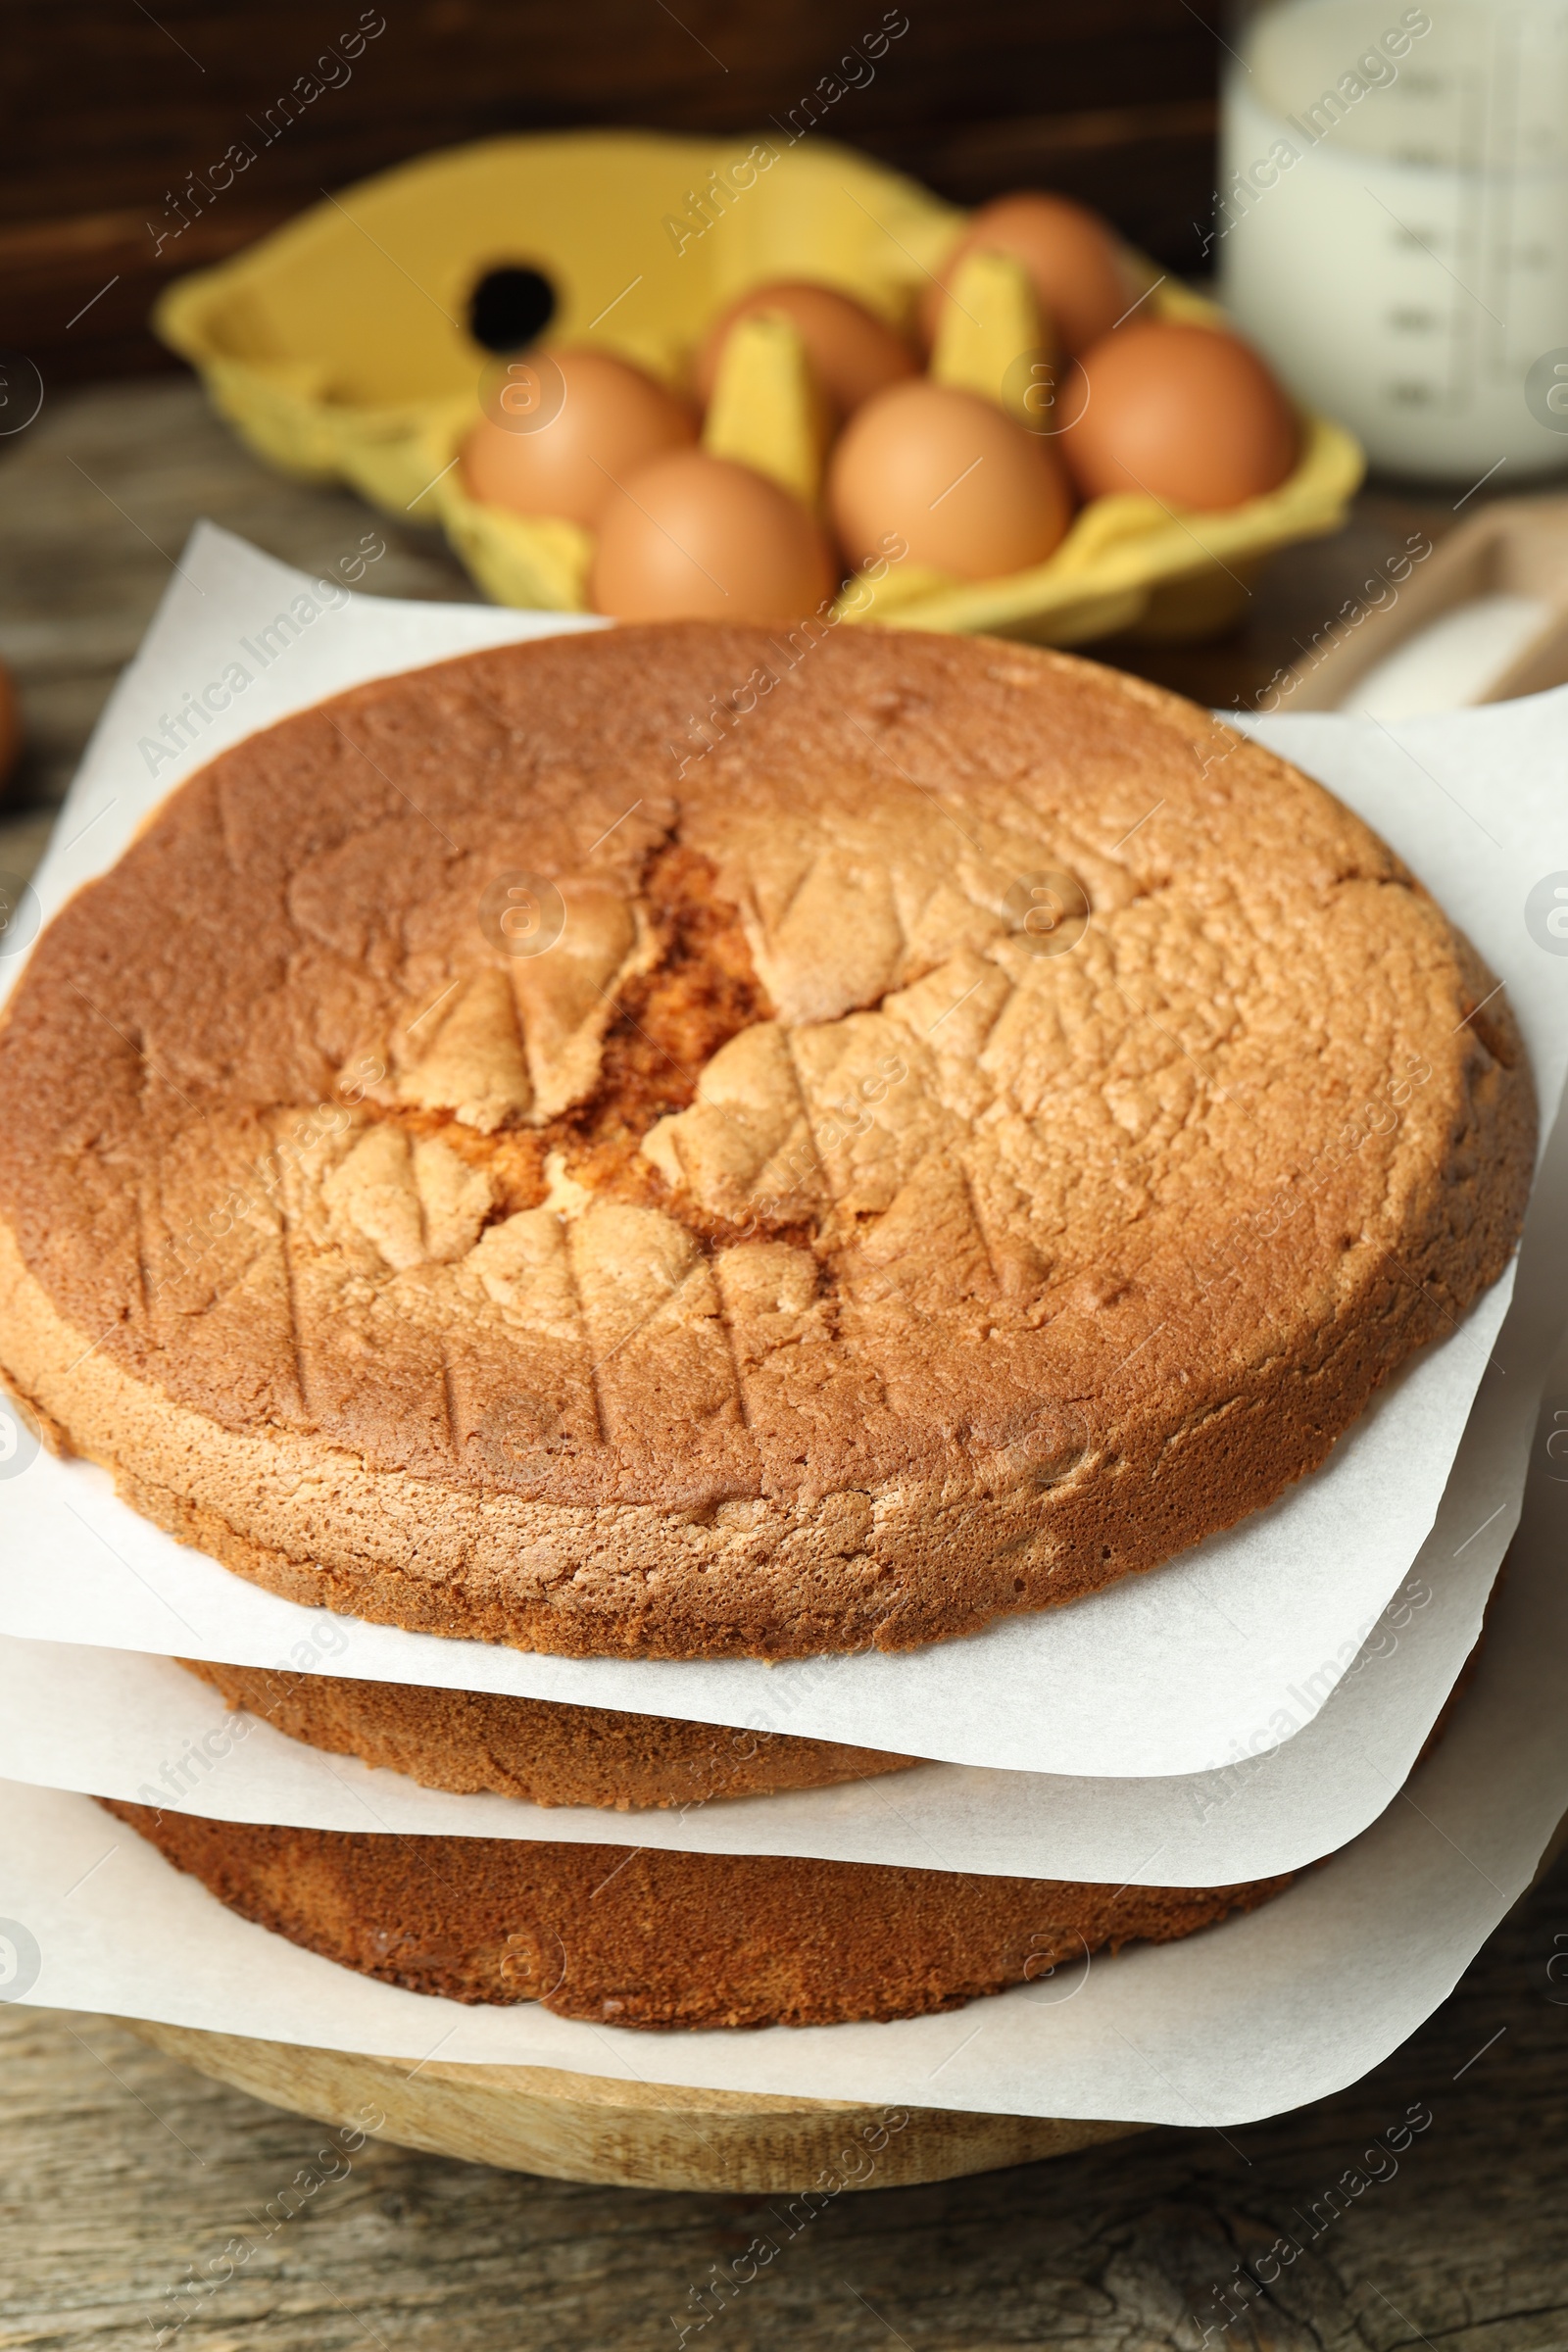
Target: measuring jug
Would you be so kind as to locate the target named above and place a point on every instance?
(1392, 223)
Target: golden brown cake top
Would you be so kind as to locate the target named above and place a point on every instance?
(973, 1130)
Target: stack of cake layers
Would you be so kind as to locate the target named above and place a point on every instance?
(832, 1760)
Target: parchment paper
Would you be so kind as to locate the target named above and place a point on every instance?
(1256, 2015)
(123, 1723)
(1238, 1643)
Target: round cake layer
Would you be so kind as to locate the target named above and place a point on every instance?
(957, 1128)
(546, 1752)
(625, 1936)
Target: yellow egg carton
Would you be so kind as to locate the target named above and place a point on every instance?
(339, 348)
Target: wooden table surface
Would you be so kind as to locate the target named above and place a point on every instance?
(120, 2168)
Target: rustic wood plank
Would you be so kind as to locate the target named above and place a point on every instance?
(113, 109)
(118, 2168)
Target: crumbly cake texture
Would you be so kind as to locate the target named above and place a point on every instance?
(629, 1938)
(798, 1255)
(547, 1751)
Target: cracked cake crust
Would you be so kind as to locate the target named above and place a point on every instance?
(800, 1254)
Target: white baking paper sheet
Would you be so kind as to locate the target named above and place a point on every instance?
(1178, 1672)
(124, 1723)
(1257, 2015)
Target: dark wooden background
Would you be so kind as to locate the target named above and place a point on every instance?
(107, 104)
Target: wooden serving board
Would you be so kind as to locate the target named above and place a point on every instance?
(535, 2119)
(594, 2127)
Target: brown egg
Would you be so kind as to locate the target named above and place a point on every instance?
(967, 490)
(561, 428)
(1069, 253)
(852, 354)
(696, 537)
(1185, 414)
